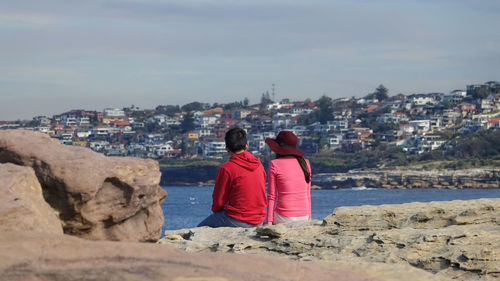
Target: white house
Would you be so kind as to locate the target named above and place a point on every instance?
(213, 148)
(455, 96)
(422, 99)
(113, 112)
(339, 124)
(428, 142)
(301, 111)
(335, 140)
(83, 133)
(407, 129)
(241, 113)
(204, 132)
(396, 117)
(208, 121)
(279, 105)
(162, 149)
(421, 125)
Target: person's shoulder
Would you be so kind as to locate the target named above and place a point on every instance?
(226, 165)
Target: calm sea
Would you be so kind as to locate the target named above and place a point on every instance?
(186, 206)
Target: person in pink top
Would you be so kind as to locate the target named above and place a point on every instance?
(289, 181)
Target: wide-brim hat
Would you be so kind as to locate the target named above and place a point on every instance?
(284, 144)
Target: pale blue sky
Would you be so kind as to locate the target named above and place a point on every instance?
(57, 55)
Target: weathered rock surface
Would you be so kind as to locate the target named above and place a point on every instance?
(97, 197)
(455, 239)
(30, 256)
(22, 206)
(404, 178)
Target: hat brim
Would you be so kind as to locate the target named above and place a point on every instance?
(278, 149)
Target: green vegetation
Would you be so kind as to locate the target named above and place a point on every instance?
(477, 150)
(381, 93)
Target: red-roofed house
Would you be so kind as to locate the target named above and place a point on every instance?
(466, 108)
(494, 122)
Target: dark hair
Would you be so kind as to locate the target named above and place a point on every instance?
(236, 139)
(303, 165)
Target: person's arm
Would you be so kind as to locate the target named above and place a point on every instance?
(271, 193)
(222, 187)
(309, 189)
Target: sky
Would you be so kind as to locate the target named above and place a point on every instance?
(58, 55)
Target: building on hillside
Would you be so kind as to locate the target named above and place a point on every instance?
(214, 149)
(112, 115)
(223, 125)
(421, 125)
(466, 109)
(192, 135)
(455, 96)
(396, 117)
(240, 113)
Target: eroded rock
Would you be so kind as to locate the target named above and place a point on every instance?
(22, 206)
(97, 197)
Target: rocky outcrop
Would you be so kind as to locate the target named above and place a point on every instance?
(194, 174)
(459, 240)
(96, 197)
(30, 256)
(404, 178)
(22, 206)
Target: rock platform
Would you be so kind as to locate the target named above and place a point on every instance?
(401, 177)
(458, 240)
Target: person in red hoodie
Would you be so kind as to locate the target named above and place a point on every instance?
(239, 196)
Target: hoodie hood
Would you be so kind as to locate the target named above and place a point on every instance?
(246, 160)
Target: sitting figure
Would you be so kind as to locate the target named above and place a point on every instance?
(289, 181)
(239, 196)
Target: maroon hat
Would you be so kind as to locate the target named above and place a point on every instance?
(284, 144)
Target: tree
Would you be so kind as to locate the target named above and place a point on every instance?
(381, 93)
(265, 99)
(193, 106)
(167, 109)
(188, 122)
(245, 102)
(325, 112)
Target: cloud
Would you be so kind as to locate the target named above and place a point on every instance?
(218, 50)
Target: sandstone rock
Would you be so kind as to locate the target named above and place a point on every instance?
(97, 197)
(33, 256)
(415, 215)
(401, 177)
(22, 206)
(456, 239)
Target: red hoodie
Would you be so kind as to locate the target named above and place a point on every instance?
(240, 188)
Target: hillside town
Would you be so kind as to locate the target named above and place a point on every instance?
(416, 123)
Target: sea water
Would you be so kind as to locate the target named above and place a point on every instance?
(186, 206)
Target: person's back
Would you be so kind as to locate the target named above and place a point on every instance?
(287, 179)
(239, 197)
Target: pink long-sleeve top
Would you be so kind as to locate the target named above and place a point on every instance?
(288, 188)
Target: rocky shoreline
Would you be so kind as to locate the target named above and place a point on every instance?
(405, 178)
(398, 177)
(459, 240)
(68, 213)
